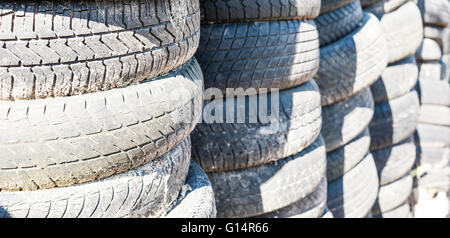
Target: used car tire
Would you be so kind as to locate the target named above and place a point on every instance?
(393, 195)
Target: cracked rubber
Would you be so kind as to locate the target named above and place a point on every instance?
(397, 80)
(393, 195)
(267, 54)
(269, 187)
(394, 121)
(223, 11)
(312, 206)
(331, 5)
(229, 146)
(338, 23)
(435, 114)
(403, 31)
(343, 159)
(55, 49)
(395, 161)
(352, 63)
(146, 191)
(435, 12)
(353, 195)
(198, 201)
(345, 120)
(62, 141)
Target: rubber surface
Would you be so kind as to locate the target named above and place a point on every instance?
(55, 49)
(69, 140)
(394, 120)
(402, 211)
(435, 12)
(266, 188)
(197, 197)
(146, 191)
(331, 5)
(345, 120)
(435, 114)
(266, 54)
(429, 51)
(433, 92)
(352, 63)
(221, 11)
(228, 146)
(397, 80)
(353, 195)
(433, 136)
(393, 195)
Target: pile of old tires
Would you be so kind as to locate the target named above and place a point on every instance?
(98, 99)
(353, 54)
(259, 167)
(433, 131)
(396, 106)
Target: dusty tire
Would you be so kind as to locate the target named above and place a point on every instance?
(428, 51)
(345, 120)
(438, 34)
(402, 211)
(397, 80)
(395, 161)
(435, 12)
(433, 136)
(381, 7)
(331, 5)
(198, 201)
(353, 195)
(223, 11)
(433, 92)
(343, 159)
(268, 54)
(435, 114)
(146, 191)
(62, 49)
(352, 63)
(394, 121)
(338, 23)
(430, 71)
(393, 195)
(433, 157)
(312, 206)
(62, 141)
(229, 146)
(269, 187)
(403, 31)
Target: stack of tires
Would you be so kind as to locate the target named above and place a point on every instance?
(353, 54)
(260, 58)
(433, 131)
(98, 99)
(396, 106)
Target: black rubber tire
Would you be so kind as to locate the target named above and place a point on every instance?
(433, 136)
(268, 54)
(225, 11)
(345, 120)
(402, 211)
(397, 80)
(433, 92)
(381, 7)
(393, 195)
(431, 71)
(353, 195)
(403, 31)
(146, 191)
(57, 142)
(435, 12)
(435, 114)
(429, 50)
(352, 63)
(312, 206)
(339, 23)
(395, 161)
(394, 121)
(55, 49)
(343, 159)
(269, 187)
(331, 5)
(229, 146)
(196, 199)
